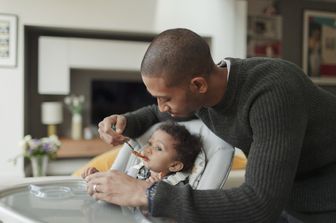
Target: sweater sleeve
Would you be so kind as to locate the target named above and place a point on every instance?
(142, 119)
(277, 119)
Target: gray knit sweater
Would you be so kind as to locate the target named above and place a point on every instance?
(287, 127)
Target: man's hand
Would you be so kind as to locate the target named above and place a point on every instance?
(154, 177)
(89, 171)
(110, 135)
(118, 188)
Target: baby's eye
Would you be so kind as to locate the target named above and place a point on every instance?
(158, 148)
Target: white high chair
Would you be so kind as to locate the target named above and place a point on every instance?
(218, 155)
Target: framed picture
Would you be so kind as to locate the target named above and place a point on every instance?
(264, 36)
(8, 40)
(319, 44)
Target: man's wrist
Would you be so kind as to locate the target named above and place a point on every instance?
(143, 199)
(150, 193)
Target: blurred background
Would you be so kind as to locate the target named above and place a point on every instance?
(84, 57)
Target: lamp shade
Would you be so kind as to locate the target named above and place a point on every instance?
(52, 113)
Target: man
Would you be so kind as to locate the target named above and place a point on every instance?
(266, 107)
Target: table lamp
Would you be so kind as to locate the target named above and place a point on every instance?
(52, 114)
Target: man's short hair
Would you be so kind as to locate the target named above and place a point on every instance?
(176, 55)
(187, 145)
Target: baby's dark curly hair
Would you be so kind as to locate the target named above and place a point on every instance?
(187, 146)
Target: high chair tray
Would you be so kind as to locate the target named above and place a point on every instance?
(57, 201)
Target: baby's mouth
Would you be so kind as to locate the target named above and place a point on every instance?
(140, 155)
(145, 158)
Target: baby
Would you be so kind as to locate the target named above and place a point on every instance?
(170, 150)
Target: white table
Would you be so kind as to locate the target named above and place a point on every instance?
(54, 200)
(83, 208)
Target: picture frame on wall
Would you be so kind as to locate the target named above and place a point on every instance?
(264, 36)
(8, 40)
(319, 44)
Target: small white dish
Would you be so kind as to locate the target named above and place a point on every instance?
(50, 192)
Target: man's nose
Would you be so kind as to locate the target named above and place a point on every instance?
(162, 106)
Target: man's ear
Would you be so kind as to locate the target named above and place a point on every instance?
(176, 166)
(199, 84)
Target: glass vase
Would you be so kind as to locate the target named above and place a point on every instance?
(39, 165)
(76, 126)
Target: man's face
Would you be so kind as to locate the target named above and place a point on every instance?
(178, 101)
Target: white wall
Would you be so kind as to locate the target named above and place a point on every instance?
(214, 18)
(128, 15)
(223, 20)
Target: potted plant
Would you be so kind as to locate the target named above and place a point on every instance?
(39, 151)
(75, 105)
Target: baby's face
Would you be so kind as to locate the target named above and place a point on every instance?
(160, 152)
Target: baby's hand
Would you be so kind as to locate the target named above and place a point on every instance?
(89, 171)
(154, 177)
